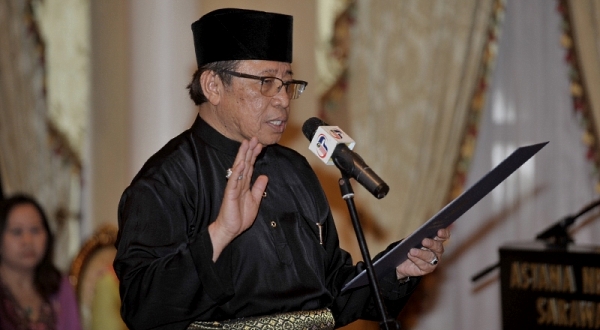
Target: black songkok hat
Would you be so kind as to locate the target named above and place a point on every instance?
(241, 34)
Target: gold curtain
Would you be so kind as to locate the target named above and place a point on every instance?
(407, 80)
(35, 158)
(412, 74)
(581, 39)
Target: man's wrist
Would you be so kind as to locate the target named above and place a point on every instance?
(218, 239)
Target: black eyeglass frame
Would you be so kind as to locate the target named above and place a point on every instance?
(262, 79)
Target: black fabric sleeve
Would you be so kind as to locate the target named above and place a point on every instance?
(218, 274)
(160, 285)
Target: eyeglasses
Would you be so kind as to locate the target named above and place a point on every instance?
(270, 86)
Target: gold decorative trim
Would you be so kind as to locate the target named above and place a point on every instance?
(579, 91)
(321, 319)
(105, 236)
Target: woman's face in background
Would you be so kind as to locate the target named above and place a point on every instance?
(24, 239)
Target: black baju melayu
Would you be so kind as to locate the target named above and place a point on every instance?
(164, 259)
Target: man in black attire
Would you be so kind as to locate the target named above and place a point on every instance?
(223, 224)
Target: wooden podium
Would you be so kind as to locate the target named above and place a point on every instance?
(546, 287)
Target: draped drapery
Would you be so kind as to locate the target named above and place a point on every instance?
(529, 101)
(411, 80)
(36, 158)
(581, 39)
(415, 124)
(412, 72)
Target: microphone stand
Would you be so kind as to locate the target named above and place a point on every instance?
(555, 236)
(387, 323)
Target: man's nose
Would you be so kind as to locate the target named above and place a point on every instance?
(282, 97)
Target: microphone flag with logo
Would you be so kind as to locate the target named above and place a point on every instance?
(334, 147)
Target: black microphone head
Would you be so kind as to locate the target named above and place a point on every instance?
(310, 126)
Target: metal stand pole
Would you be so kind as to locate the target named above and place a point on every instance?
(387, 323)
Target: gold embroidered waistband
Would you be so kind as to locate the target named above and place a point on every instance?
(320, 319)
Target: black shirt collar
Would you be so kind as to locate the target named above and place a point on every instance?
(213, 138)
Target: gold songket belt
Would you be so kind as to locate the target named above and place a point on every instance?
(320, 319)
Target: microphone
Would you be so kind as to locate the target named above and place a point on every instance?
(333, 146)
(557, 233)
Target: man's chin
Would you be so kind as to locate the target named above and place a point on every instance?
(273, 139)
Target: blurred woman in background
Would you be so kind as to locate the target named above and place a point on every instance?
(34, 295)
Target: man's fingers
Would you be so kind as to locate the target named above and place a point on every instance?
(253, 150)
(259, 187)
(442, 235)
(241, 155)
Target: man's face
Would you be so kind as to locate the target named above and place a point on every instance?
(244, 112)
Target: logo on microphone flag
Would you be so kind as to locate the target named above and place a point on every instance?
(325, 140)
(321, 146)
(337, 133)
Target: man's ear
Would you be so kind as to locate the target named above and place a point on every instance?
(212, 86)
